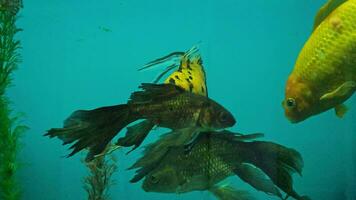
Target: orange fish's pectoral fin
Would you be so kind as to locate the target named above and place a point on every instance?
(344, 90)
(326, 10)
(341, 110)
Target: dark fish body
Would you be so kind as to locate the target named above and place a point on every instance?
(217, 156)
(178, 111)
(163, 105)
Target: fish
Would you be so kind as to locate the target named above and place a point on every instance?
(217, 155)
(166, 105)
(189, 75)
(324, 75)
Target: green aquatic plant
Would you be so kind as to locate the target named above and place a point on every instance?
(99, 180)
(10, 130)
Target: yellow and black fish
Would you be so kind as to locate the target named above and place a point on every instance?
(165, 105)
(214, 157)
(189, 75)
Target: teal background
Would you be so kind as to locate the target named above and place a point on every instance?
(249, 48)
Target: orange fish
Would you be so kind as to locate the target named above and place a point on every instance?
(324, 76)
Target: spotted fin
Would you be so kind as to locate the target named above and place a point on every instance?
(326, 10)
(345, 90)
(341, 110)
(190, 76)
(189, 72)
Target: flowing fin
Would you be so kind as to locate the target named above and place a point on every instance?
(276, 161)
(168, 69)
(109, 150)
(154, 92)
(343, 91)
(148, 167)
(155, 151)
(326, 10)
(341, 110)
(136, 134)
(257, 179)
(238, 136)
(92, 129)
(189, 72)
(226, 192)
(232, 136)
(172, 57)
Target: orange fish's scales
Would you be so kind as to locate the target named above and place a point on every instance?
(331, 52)
(324, 74)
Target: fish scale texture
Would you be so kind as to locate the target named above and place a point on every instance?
(331, 50)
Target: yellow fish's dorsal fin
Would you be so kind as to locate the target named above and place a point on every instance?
(190, 75)
(346, 89)
(341, 110)
(326, 10)
(189, 72)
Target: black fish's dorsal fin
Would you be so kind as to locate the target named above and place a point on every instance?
(232, 136)
(326, 10)
(151, 92)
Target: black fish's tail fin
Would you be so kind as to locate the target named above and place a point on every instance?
(93, 129)
(136, 134)
(276, 161)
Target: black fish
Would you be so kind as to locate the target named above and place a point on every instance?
(164, 104)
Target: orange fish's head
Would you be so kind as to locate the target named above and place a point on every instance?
(299, 103)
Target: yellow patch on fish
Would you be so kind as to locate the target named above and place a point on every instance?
(324, 74)
(336, 23)
(190, 76)
(189, 73)
(326, 11)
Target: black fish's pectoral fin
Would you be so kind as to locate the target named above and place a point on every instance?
(227, 192)
(155, 151)
(111, 148)
(257, 179)
(136, 134)
(187, 137)
(146, 168)
(193, 140)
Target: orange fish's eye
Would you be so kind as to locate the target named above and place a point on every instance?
(290, 103)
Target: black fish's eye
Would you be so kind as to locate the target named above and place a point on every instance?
(153, 179)
(290, 103)
(223, 117)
